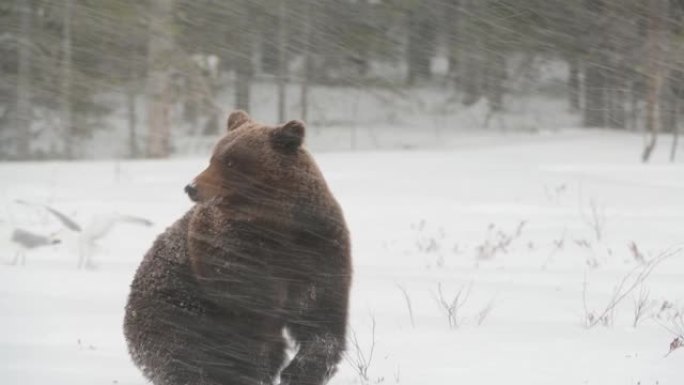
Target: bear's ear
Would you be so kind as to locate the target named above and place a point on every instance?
(288, 137)
(236, 119)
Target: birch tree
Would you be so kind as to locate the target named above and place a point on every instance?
(66, 96)
(160, 48)
(655, 46)
(22, 113)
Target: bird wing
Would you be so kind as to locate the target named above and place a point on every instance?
(66, 221)
(136, 220)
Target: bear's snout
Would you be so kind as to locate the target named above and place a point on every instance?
(192, 192)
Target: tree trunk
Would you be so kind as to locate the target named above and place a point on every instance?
(22, 113)
(594, 96)
(675, 134)
(306, 52)
(668, 102)
(615, 96)
(160, 47)
(495, 76)
(242, 88)
(634, 98)
(270, 55)
(421, 36)
(471, 50)
(574, 83)
(191, 105)
(133, 151)
(471, 77)
(596, 65)
(282, 60)
(654, 81)
(66, 96)
(243, 59)
(452, 23)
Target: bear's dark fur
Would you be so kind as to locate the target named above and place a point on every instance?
(265, 248)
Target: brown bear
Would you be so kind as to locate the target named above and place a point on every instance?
(264, 249)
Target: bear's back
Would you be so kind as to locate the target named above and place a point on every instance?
(162, 298)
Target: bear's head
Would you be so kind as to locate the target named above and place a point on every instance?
(254, 162)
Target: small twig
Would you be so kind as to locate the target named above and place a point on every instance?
(641, 306)
(453, 306)
(588, 316)
(677, 343)
(361, 361)
(558, 245)
(408, 304)
(498, 243)
(596, 221)
(677, 328)
(484, 313)
(637, 276)
(636, 253)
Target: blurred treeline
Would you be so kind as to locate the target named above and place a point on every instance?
(61, 58)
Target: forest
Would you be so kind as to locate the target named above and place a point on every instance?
(72, 68)
(487, 156)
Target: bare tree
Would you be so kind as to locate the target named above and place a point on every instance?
(574, 82)
(282, 59)
(677, 93)
(675, 136)
(470, 72)
(306, 53)
(133, 150)
(655, 42)
(595, 66)
(420, 46)
(67, 81)
(160, 46)
(22, 114)
(243, 55)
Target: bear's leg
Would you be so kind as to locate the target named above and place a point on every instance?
(321, 337)
(235, 362)
(273, 357)
(317, 358)
(252, 352)
(271, 347)
(222, 349)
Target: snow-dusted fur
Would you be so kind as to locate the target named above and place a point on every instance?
(212, 297)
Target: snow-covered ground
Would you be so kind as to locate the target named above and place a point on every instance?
(535, 231)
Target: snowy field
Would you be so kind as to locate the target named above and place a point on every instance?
(495, 261)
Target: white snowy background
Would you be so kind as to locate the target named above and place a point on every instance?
(527, 236)
(495, 242)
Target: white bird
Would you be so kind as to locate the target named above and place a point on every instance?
(98, 227)
(28, 240)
